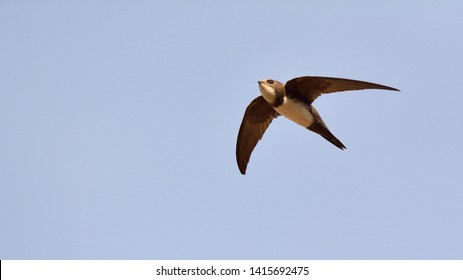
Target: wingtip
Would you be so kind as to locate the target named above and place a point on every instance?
(388, 88)
(242, 169)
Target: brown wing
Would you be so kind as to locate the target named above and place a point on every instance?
(309, 88)
(258, 116)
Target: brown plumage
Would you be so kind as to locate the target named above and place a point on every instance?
(294, 101)
(257, 118)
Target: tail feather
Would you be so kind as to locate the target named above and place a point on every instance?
(318, 126)
(325, 133)
(335, 141)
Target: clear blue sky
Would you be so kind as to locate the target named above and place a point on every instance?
(119, 119)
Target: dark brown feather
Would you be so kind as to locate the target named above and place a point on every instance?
(309, 88)
(257, 117)
(319, 126)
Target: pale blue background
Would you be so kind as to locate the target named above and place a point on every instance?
(118, 122)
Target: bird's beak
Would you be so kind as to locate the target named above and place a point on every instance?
(259, 82)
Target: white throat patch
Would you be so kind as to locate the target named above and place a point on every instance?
(267, 92)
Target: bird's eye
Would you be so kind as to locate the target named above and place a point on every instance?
(270, 81)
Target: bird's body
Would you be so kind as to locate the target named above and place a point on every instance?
(296, 111)
(293, 101)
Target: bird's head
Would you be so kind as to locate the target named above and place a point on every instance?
(270, 89)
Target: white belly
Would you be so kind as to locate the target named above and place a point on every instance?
(295, 111)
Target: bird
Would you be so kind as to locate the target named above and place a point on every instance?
(292, 100)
